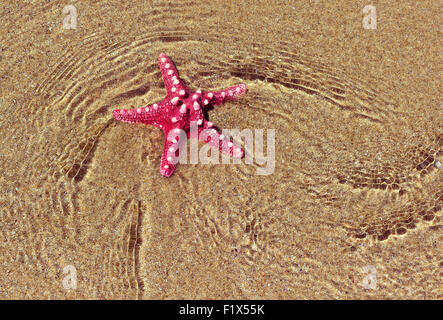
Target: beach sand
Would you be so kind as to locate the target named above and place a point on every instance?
(353, 209)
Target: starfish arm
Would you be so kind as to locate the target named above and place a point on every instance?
(173, 83)
(171, 148)
(218, 141)
(148, 114)
(218, 97)
(166, 167)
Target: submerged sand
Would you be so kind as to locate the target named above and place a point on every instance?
(352, 210)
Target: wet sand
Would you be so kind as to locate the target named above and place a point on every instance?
(353, 209)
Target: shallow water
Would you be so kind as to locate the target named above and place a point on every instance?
(358, 126)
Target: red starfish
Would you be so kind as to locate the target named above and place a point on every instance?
(176, 111)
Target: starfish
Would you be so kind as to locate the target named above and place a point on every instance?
(181, 107)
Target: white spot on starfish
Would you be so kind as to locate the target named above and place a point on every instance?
(174, 100)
